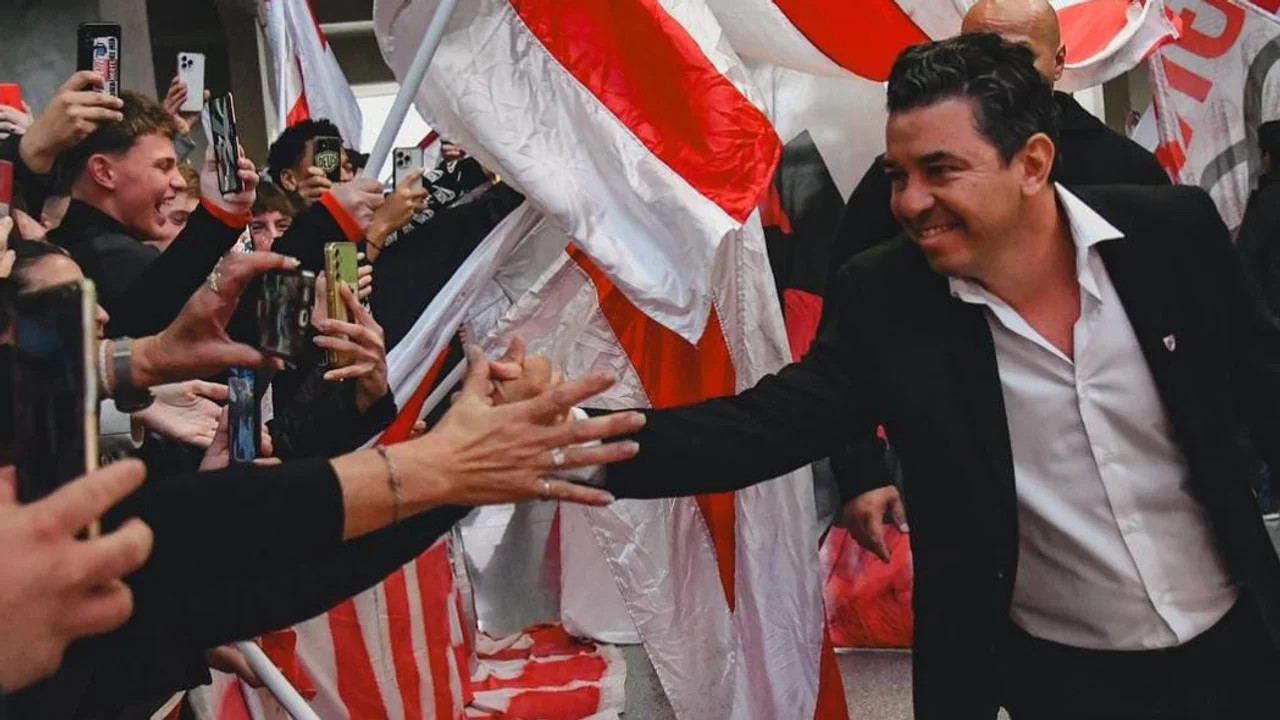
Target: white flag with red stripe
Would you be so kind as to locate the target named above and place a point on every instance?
(1104, 38)
(637, 131)
(1213, 87)
(826, 37)
(308, 82)
(619, 120)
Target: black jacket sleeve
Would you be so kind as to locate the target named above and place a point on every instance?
(216, 525)
(787, 420)
(200, 615)
(1254, 333)
(156, 297)
(323, 420)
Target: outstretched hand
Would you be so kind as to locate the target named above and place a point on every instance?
(196, 343)
(481, 454)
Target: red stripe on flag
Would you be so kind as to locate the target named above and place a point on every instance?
(399, 429)
(426, 141)
(402, 655)
(645, 69)
(864, 37)
(1090, 26)
(435, 578)
(557, 704)
(357, 685)
(232, 706)
(831, 701)
(674, 372)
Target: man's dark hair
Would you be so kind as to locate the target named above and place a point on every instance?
(272, 198)
(1269, 139)
(26, 254)
(142, 116)
(1011, 100)
(288, 149)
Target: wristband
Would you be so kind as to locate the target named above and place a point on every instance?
(393, 482)
(129, 399)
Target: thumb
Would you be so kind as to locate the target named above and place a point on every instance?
(875, 531)
(899, 512)
(476, 382)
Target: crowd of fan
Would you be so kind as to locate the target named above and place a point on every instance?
(205, 552)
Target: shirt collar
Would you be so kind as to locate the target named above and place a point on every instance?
(1088, 228)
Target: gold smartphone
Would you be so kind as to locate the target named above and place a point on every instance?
(55, 388)
(340, 268)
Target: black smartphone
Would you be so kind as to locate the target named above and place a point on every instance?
(54, 387)
(98, 49)
(243, 420)
(327, 155)
(226, 143)
(284, 314)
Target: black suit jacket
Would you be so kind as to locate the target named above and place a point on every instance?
(904, 353)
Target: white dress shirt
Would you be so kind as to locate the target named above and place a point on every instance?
(1115, 553)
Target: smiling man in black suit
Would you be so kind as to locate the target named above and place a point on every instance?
(1063, 372)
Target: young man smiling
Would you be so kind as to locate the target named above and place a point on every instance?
(123, 177)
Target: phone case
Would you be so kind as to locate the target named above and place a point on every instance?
(191, 72)
(11, 95)
(55, 387)
(404, 161)
(327, 155)
(226, 143)
(98, 49)
(244, 432)
(340, 268)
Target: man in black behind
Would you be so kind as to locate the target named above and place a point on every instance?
(1061, 371)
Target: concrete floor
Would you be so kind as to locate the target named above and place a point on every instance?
(512, 592)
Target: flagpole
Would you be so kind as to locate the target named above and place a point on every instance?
(409, 85)
(280, 688)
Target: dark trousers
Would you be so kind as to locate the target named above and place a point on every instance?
(1230, 671)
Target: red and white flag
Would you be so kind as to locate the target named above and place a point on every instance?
(827, 37)
(638, 133)
(618, 120)
(307, 80)
(1104, 38)
(1212, 88)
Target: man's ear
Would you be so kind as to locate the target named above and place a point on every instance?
(1059, 63)
(101, 171)
(1036, 160)
(289, 180)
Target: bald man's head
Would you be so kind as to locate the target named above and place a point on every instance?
(1031, 22)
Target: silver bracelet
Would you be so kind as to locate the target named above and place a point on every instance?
(393, 482)
(105, 390)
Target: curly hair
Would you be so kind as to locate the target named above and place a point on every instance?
(1011, 100)
(288, 149)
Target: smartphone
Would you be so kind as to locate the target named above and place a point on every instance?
(327, 155)
(226, 143)
(11, 95)
(98, 49)
(340, 268)
(55, 387)
(404, 161)
(191, 72)
(284, 314)
(6, 187)
(244, 433)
